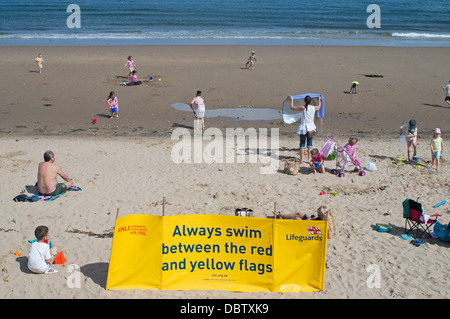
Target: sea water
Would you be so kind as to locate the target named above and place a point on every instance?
(292, 22)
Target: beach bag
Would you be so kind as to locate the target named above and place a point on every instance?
(291, 166)
(309, 134)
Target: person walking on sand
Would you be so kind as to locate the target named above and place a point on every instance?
(307, 128)
(200, 112)
(113, 103)
(40, 62)
(436, 146)
(48, 177)
(130, 64)
(447, 93)
(251, 61)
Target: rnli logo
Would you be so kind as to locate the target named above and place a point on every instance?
(138, 230)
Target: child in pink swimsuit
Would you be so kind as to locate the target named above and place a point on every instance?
(40, 62)
(131, 65)
(113, 104)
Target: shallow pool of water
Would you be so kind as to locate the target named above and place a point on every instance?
(242, 113)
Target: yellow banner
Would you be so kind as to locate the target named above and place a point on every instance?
(217, 252)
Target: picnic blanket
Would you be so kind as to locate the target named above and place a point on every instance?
(37, 197)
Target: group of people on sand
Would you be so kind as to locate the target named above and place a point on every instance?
(409, 132)
(42, 254)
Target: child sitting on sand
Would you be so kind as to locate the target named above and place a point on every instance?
(41, 256)
(350, 149)
(317, 161)
(113, 103)
(437, 146)
(40, 61)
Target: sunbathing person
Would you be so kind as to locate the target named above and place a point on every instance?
(48, 177)
(323, 213)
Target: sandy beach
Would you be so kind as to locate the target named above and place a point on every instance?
(126, 163)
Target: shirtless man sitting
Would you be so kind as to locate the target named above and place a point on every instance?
(47, 177)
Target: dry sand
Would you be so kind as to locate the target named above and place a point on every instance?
(126, 163)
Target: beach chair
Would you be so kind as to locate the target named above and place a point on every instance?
(415, 220)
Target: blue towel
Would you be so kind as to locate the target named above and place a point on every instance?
(321, 111)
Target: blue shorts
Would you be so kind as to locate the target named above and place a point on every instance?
(317, 164)
(436, 154)
(305, 141)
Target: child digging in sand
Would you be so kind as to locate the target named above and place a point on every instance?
(317, 161)
(41, 256)
(437, 146)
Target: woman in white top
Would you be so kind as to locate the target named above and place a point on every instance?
(306, 123)
(200, 113)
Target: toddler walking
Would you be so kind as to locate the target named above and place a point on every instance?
(436, 146)
(113, 103)
(131, 65)
(40, 62)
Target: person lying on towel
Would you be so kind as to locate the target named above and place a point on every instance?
(47, 177)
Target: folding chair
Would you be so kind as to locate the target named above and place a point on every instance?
(415, 220)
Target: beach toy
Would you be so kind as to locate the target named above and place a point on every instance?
(60, 259)
(399, 160)
(37, 59)
(17, 253)
(94, 121)
(322, 193)
(383, 228)
(334, 192)
(418, 166)
(415, 158)
(150, 78)
(408, 185)
(406, 237)
(441, 203)
(159, 79)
